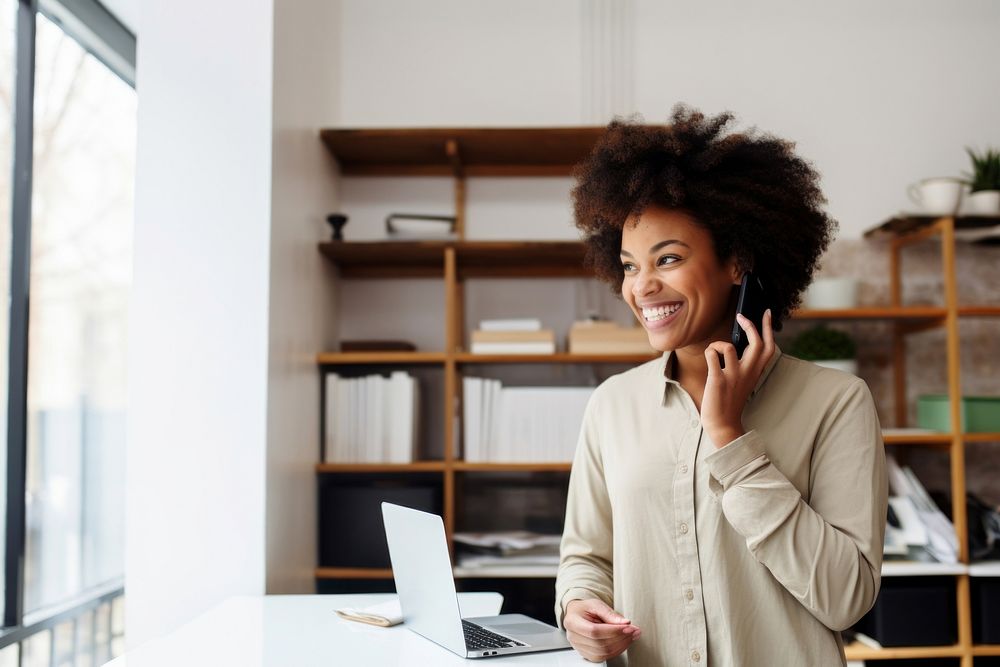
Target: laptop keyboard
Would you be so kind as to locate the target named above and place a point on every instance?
(478, 638)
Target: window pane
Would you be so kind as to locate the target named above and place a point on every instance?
(8, 23)
(81, 267)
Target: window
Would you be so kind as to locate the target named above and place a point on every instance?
(8, 21)
(81, 267)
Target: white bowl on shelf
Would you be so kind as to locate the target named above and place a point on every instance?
(829, 293)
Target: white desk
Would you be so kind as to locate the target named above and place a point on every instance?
(304, 631)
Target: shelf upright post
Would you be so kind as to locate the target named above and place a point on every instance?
(898, 335)
(451, 148)
(957, 458)
(451, 310)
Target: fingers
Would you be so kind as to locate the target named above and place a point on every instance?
(602, 613)
(754, 342)
(727, 350)
(712, 357)
(596, 652)
(768, 334)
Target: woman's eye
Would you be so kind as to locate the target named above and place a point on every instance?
(627, 266)
(664, 260)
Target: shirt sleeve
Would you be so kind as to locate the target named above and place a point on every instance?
(825, 550)
(585, 553)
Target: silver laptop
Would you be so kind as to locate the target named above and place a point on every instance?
(421, 567)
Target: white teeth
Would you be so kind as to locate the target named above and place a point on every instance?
(655, 314)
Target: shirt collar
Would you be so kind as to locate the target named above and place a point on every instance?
(667, 358)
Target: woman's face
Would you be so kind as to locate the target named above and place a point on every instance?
(674, 282)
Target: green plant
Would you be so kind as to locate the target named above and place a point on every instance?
(821, 343)
(985, 170)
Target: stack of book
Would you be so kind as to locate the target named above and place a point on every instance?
(507, 549)
(371, 419)
(521, 424)
(418, 227)
(515, 336)
(601, 337)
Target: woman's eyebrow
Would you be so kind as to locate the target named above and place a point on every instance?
(659, 245)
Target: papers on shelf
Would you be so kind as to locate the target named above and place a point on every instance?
(521, 424)
(516, 324)
(371, 419)
(541, 341)
(924, 529)
(510, 549)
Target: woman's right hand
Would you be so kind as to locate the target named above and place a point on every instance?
(597, 631)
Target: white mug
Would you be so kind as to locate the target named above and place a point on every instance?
(940, 196)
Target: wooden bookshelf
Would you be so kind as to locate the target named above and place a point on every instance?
(464, 152)
(521, 151)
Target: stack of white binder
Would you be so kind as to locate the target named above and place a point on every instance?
(521, 424)
(371, 419)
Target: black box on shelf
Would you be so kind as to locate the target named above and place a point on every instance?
(350, 514)
(913, 611)
(985, 610)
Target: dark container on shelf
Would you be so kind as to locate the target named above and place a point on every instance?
(986, 610)
(350, 515)
(913, 611)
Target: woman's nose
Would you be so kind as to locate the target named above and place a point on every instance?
(644, 284)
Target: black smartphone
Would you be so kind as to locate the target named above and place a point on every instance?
(752, 303)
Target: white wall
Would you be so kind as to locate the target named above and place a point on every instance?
(877, 95)
(302, 298)
(198, 315)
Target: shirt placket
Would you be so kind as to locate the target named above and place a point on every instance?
(687, 544)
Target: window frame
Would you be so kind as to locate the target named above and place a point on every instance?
(103, 36)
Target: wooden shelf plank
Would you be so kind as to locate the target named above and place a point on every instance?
(915, 436)
(418, 466)
(352, 573)
(857, 651)
(536, 151)
(979, 311)
(981, 437)
(559, 358)
(873, 313)
(555, 466)
(349, 358)
(906, 223)
(984, 650)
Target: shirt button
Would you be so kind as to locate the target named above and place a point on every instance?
(689, 594)
(694, 423)
(684, 529)
(684, 468)
(695, 656)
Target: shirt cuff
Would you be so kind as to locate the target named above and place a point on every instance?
(569, 596)
(723, 463)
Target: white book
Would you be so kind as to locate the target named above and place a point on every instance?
(513, 324)
(342, 415)
(388, 408)
(330, 416)
(377, 414)
(399, 391)
(412, 441)
(471, 414)
(350, 447)
(534, 347)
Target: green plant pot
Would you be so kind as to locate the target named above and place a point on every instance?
(980, 414)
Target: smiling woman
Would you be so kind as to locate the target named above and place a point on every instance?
(719, 513)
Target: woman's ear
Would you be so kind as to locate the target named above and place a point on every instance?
(735, 272)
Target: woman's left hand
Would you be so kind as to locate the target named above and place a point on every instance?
(727, 389)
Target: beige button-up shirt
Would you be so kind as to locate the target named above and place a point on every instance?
(755, 554)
